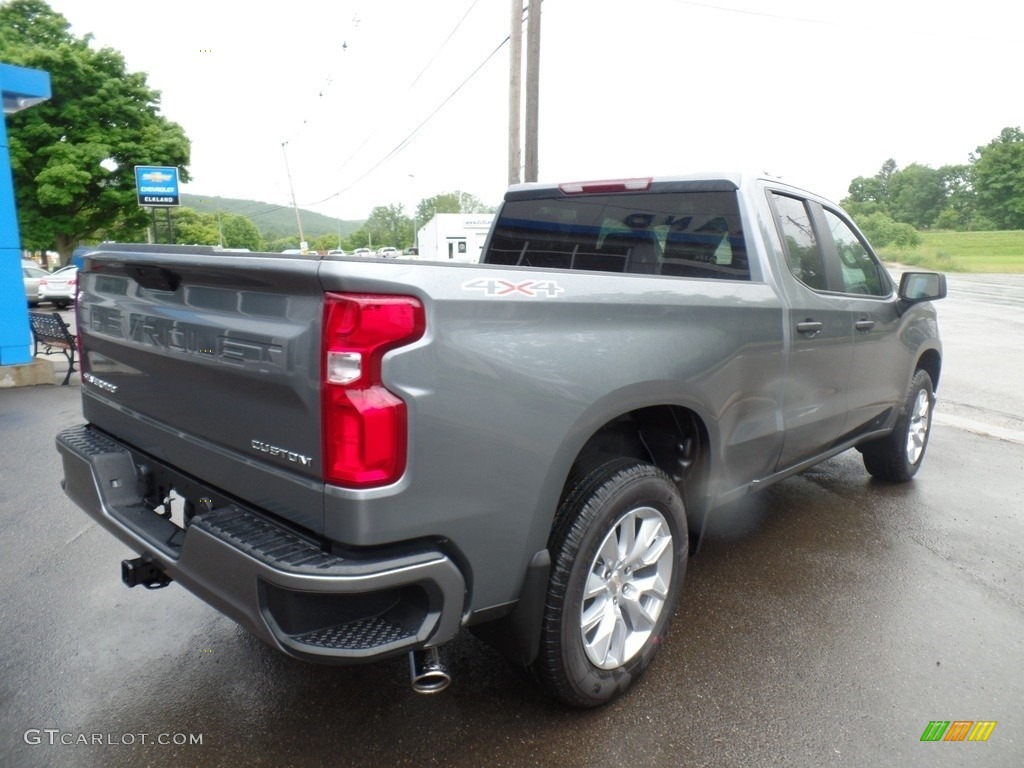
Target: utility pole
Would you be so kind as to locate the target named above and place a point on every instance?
(532, 87)
(220, 229)
(515, 82)
(303, 245)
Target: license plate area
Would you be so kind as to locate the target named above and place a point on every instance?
(166, 503)
(173, 509)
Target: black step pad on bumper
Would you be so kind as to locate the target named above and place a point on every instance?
(282, 586)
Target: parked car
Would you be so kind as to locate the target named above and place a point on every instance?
(362, 252)
(60, 287)
(411, 251)
(336, 252)
(33, 276)
(387, 252)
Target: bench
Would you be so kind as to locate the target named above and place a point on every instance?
(50, 330)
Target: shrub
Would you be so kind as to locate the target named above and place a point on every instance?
(882, 231)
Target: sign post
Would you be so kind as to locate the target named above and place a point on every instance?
(156, 186)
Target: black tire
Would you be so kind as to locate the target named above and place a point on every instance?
(897, 457)
(600, 512)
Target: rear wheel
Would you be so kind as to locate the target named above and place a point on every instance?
(898, 456)
(618, 549)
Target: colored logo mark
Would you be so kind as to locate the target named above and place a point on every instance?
(958, 730)
(156, 177)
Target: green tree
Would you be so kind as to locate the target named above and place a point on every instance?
(449, 202)
(192, 227)
(323, 242)
(73, 157)
(916, 194)
(861, 209)
(998, 175)
(961, 211)
(240, 232)
(919, 195)
(389, 225)
(358, 239)
(873, 189)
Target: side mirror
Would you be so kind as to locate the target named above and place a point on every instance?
(922, 286)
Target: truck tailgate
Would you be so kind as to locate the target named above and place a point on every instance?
(210, 362)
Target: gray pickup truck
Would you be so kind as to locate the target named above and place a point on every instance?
(355, 459)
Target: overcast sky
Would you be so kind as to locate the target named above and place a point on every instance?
(390, 101)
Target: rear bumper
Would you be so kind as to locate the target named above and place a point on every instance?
(310, 604)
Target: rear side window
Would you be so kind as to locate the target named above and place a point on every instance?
(682, 234)
(802, 247)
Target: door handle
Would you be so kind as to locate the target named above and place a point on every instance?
(864, 324)
(809, 327)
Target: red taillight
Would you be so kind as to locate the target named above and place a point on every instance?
(364, 424)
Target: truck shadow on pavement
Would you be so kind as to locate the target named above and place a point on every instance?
(772, 591)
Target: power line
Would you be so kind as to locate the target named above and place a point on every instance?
(411, 136)
(444, 44)
(408, 139)
(404, 142)
(380, 124)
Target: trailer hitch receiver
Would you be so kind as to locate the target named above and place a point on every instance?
(142, 570)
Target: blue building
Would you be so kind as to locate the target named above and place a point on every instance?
(21, 88)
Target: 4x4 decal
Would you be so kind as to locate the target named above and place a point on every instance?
(533, 289)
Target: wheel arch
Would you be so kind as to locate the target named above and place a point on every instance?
(673, 438)
(930, 361)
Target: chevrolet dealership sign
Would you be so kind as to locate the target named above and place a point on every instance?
(157, 185)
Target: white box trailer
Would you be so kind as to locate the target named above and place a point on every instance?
(454, 237)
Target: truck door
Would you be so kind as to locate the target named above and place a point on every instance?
(821, 339)
(877, 373)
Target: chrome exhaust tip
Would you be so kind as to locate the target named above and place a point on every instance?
(427, 672)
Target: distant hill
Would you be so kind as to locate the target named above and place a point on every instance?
(273, 221)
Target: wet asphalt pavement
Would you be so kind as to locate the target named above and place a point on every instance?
(826, 622)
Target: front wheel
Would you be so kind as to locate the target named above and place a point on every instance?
(898, 456)
(619, 549)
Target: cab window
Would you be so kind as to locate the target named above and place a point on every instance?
(803, 253)
(859, 270)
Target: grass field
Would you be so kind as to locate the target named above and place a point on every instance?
(964, 252)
